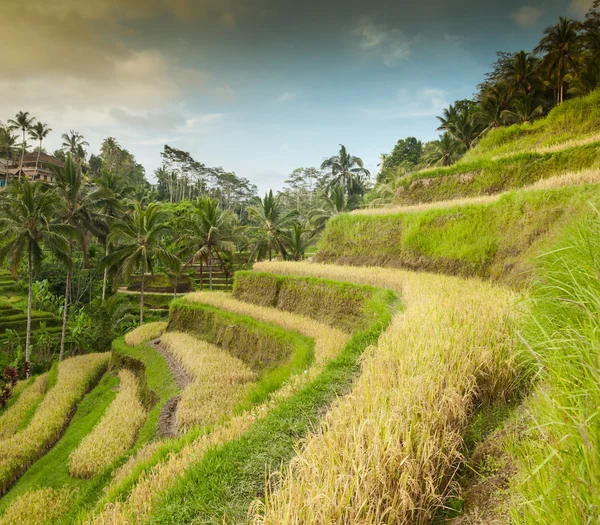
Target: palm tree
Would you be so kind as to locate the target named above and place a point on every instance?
(332, 202)
(39, 132)
(298, 239)
(136, 240)
(73, 143)
(24, 122)
(80, 212)
(27, 210)
(492, 105)
(562, 46)
(8, 143)
(522, 73)
(117, 191)
(210, 231)
(525, 107)
(345, 168)
(111, 150)
(272, 222)
(443, 152)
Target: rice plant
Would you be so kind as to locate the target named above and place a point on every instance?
(13, 417)
(145, 333)
(114, 434)
(75, 377)
(220, 379)
(387, 452)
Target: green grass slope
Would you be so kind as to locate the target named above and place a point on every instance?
(498, 240)
(568, 139)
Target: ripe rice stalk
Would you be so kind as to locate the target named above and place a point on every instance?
(11, 419)
(75, 377)
(114, 434)
(38, 507)
(328, 341)
(387, 452)
(220, 380)
(154, 482)
(145, 333)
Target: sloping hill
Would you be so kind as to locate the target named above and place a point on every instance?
(567, 140)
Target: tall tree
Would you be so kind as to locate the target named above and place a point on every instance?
(116, 192)
(137, 244)
(27, 210)
(406, 153)
(80, 211)
(39, 132)
(332, 202)
(8, 144)
(271, 222)
(22, 121)
(562, 47)
(73, 143)
(209, 232)
(443, 152)
(345, 168)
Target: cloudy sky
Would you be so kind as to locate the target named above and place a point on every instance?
(259, 87)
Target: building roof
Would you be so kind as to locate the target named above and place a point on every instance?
(44, 157)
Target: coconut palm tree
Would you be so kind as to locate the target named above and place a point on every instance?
(27, 210)
(39, 132)
(298, 240)
(74, 143)
(136, 241)
(522, 75)
(116, 193)
(443, 152)
(493, 103)
(271, 222)
(24, 122)
(562, 47)
(209, 231)
(8, 144)
(332, 202)
(525, 107)
(344, 168)
(80, 211)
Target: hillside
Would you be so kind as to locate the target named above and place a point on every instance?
(567, 140)
(424, 367)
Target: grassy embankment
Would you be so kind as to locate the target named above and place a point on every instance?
(516, 156)
(498, 240)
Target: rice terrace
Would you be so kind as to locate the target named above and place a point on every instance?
(400, 338)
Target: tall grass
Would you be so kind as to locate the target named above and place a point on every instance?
(387, 452)
(114, 434)
(558, 456)
(220, 380)
(145, 333)
(75, 377)
(14, 416)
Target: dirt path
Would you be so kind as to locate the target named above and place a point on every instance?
(167, 419)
